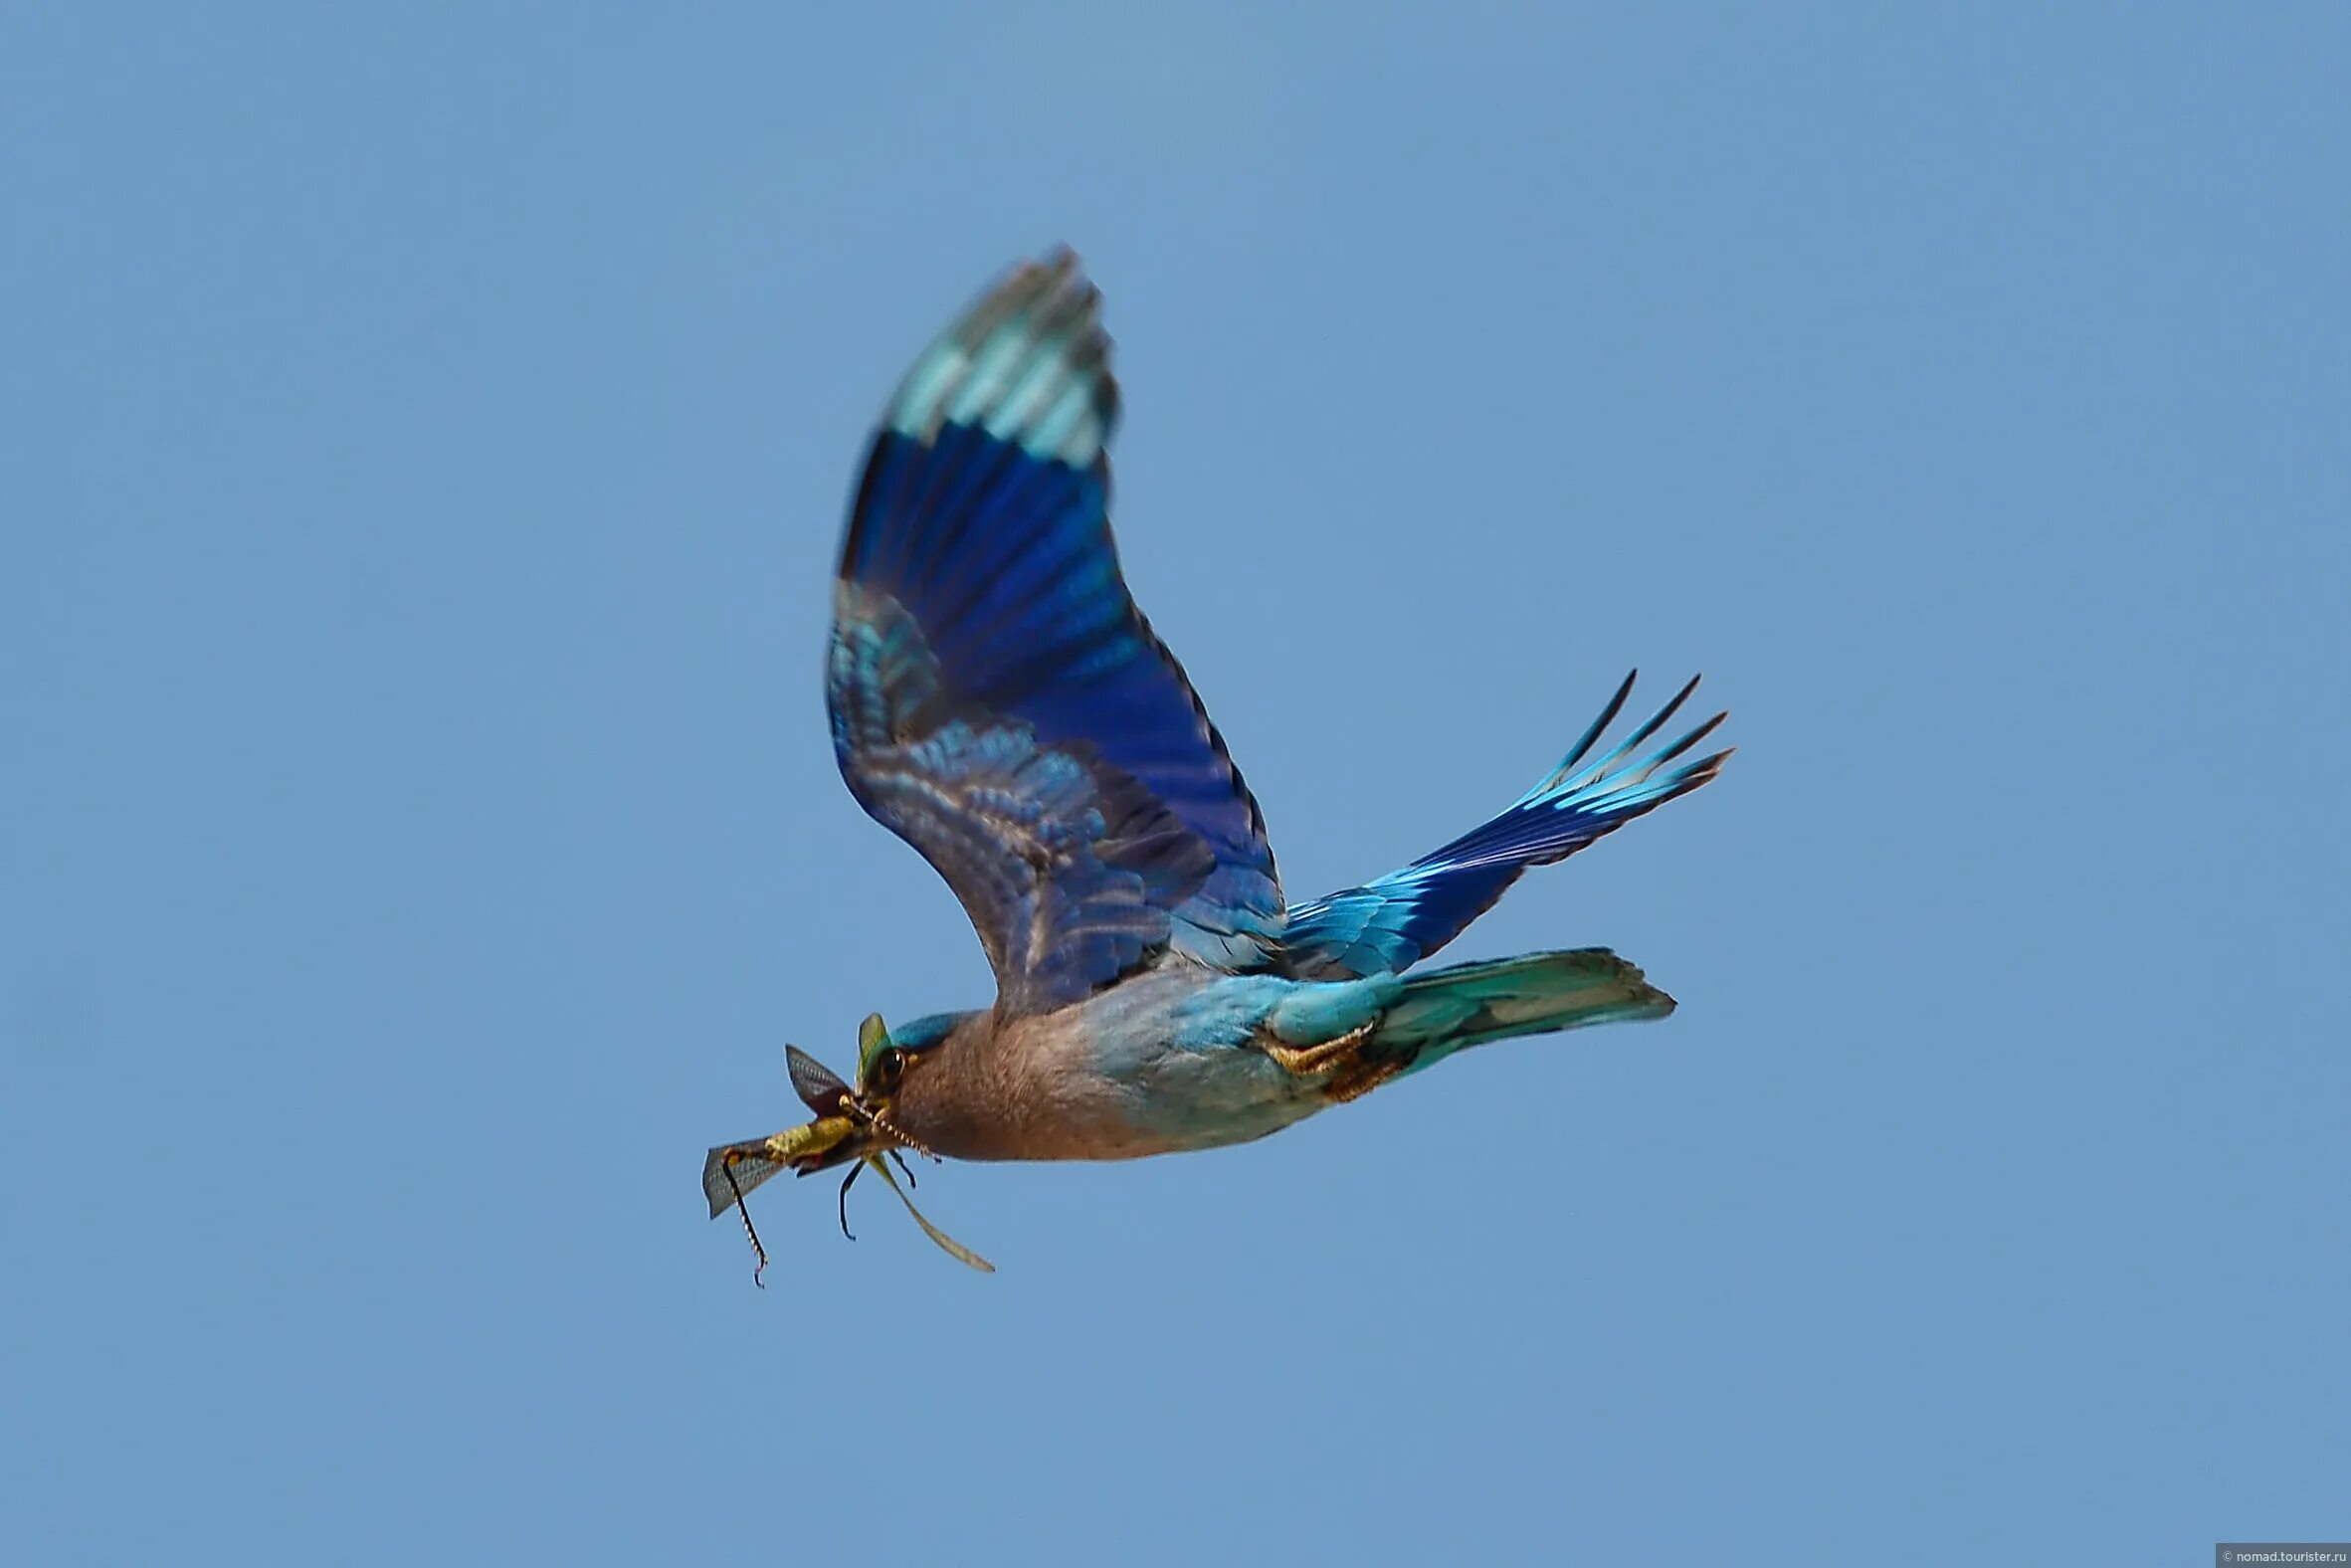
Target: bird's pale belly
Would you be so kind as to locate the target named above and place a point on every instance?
(1206, 1099)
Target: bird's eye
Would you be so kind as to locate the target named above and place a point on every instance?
(889, 1068)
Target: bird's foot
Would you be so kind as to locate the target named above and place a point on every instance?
(1350, 1075)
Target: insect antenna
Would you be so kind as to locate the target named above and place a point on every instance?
(883, 1124)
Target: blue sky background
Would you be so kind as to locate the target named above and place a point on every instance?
(423, 439)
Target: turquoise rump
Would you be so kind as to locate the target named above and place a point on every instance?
(998, 702)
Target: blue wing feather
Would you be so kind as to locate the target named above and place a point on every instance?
(1389, 924)
(998, 697)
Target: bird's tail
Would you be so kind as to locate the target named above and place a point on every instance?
(1449, 1010)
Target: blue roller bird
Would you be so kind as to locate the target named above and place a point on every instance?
(999, 702)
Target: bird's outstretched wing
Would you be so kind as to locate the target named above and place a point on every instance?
(1394, 922)
(998, 702)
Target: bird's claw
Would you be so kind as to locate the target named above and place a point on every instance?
(1349, 1076)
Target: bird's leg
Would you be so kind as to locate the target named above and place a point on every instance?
(1350, 1076)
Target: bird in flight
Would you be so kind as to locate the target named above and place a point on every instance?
(998, 702)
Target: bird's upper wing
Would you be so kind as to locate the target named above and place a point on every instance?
(1392, 923)
(998, 702)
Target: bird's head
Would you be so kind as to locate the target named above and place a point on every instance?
(851, 1123)
(853, 1128)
